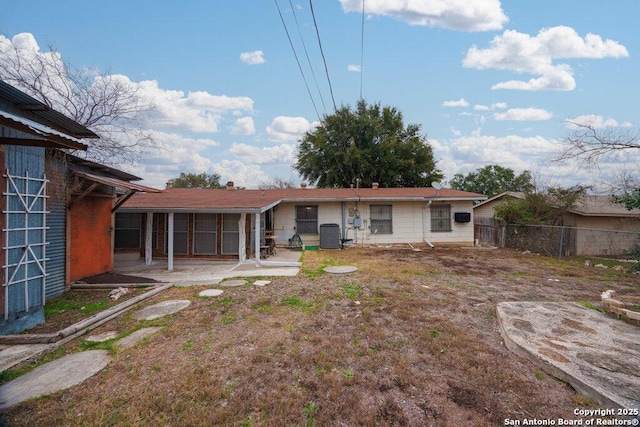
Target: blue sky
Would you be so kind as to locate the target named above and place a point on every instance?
(489, 82)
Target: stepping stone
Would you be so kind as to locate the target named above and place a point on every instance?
(161, 309)
(54, 376)
(211, 293)
(138, 335)
(233, 283)
(340, 269)
(105, 336)
(261, 282)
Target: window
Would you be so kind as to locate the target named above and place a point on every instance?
(204, 234)
(440, 218)
(180, 233)
(307, 219)
(128, 230)
(381, 219)
(230, 234)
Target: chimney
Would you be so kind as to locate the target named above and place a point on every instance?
(230, 185)
(303, 185)
(375, 185)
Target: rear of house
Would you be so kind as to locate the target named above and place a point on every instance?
(223, 224)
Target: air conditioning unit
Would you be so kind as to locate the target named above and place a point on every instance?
(462, 217)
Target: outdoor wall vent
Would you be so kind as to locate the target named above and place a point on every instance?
(462, 217)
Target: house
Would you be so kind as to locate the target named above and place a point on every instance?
(601, 226)
(50, 205)
(231, 223)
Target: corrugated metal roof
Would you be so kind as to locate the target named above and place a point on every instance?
(116, 183)
(44, 114)
(255, 200)
(42, 132)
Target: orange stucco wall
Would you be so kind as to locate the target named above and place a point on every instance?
(90, 230)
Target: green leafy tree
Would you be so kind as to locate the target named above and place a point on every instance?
(192, 180)
(492, 180)
(547, 208)
(370, 144)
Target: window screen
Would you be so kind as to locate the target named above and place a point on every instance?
(204, 234)
(381, 219)
(128, 230)
(230, 234)
(440, 218)
(307, 219)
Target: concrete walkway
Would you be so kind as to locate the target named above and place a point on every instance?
(597, 355)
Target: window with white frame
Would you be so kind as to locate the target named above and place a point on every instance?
(307, 219)
(440, 218)
(204, 234)
(381, 219)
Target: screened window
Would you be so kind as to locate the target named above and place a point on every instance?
(204, 234)
(307, 219)
(230, 233)
(381, 219)
(180, 233)
(128, 230)
(440, 218)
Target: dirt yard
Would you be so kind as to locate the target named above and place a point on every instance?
(410, 339)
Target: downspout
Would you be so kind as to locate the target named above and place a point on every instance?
(344, 236)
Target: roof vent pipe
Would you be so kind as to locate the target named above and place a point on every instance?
(375, 184)
(230, 185)
(303, 185)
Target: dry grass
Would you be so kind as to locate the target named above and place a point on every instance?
(411, 339)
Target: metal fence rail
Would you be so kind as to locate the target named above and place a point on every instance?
(557, 241)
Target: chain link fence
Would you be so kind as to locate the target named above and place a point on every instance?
(558, 241)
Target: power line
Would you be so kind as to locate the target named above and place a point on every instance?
(362, 50)
(307, 55)
(296, 56)
(324, 60)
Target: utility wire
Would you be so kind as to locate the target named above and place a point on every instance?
(296, 56)
(307, 55)
(362, 50)
(324, 60)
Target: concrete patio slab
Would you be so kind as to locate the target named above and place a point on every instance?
(597, 355)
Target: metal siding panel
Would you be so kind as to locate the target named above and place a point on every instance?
(21, 161)
(56, 249)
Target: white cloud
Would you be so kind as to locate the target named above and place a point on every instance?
(535, 55)
(459, 103)
(522, 114)
(354, 68)
(462, 15)
(499, 106)
(253, 58)
(196, 112)
(244, 126)
(595, 121)
(287, 129)
(479, 107)
(249, 176)
(284, 154)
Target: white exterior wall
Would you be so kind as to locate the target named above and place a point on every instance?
(411, 223)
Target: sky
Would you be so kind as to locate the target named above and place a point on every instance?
(488, 81)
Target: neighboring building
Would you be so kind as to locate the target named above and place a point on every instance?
(57, 209)
(601, 227)
(230, 224)
(27, 128)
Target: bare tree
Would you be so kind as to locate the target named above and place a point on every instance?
(277, 183)
(588, 142)
(109, 105)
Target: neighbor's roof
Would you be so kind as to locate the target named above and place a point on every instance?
(593, 205)
(194, 199)
(589, 205)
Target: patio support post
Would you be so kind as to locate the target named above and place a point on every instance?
(242, 244)
(170, 242)
(148, 240)
(256, 238)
